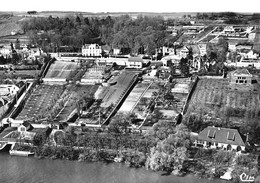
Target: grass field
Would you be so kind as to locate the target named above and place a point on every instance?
(9, 24)
(61, 69)
(217, 96)
(41, 101)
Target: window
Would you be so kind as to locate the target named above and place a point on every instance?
(241, 81)
(22, 129)
(231, 136)
(211, 133)
(245, 81)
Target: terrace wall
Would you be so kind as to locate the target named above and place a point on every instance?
(211, 77)
(193, 86)
(45, 68)
(122, 98)
(11, 107)
(18, 107)
(56, 81)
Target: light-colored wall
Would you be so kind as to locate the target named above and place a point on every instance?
(92, 50)
(135, 64)
(222, 146)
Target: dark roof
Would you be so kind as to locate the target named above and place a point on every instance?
(27, 125)
(135, 59)
(106, 47)
(195, 49)
(20, 84)
(222, 135)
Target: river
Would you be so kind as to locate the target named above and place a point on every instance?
(16, 169)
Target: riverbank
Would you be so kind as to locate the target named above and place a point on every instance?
(166, 148)
(60, 171)
(128, 159)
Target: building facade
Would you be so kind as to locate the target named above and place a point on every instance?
(91, 50)
(135, 62)
(241, 76)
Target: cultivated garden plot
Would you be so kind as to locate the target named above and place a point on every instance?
(168, 101)
(41, 102)
(134, 97)
(220, 98)
(109, 97)
(76, 95)
(145, 103)
(61, 70)
(23, 74)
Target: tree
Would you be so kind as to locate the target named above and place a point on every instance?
(170, 153)
(163, 129)
(120, 123)
(184, 66)
(40, 137)
(17, 44)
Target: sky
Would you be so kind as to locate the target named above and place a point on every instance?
(132, 5)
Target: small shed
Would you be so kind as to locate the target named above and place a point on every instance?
(25, 126)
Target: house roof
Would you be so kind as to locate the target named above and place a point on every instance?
(241, 72)
(222, 135)
(195, 49)
(106, 47)
(135, 59)
(27, 125)
(20, 84)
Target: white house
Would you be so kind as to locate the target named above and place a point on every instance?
(184, 52)
(229, 30)
(6, 90)
(25, 131)
(116, 51)
(91, 50)
(221, 138)
(6, 50)
(135, 62)
(240, 76)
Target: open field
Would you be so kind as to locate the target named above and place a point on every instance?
(76, 93)
(63, 14)
(218, 97)
(61, 70)
(41, 101)
(9, 24)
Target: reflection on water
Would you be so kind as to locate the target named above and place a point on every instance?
(30, 170)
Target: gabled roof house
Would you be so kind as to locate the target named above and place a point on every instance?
(221, 138)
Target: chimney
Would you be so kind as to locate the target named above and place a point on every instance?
(247, 138)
